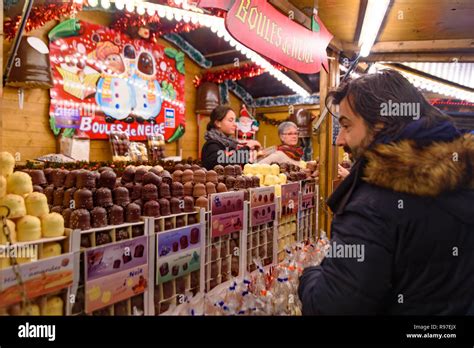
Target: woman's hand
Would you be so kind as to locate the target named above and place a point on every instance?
(253, 144)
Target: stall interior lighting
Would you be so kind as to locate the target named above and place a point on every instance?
(373, 18)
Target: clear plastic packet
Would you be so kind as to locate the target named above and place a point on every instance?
(156, 146)
(138, 152)
(119, 145)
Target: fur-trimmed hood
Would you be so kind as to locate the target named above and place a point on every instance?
(423, 171)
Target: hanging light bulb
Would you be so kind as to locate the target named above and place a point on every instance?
(120, 4)
(130, 6)
(105, 4)
(150, 10)
(141, 9)
(93, 3)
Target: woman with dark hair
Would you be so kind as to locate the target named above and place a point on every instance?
(221, 147)
(406, 206)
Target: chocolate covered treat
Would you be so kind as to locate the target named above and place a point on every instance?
(71, 178)
(37, 188)
(83, 199)
(121, 196)
(221, 178)
(149, 193)
(183, 242)
(195, 167)
(166, 177)
(121, 234)
(115, 215)
(188, 204)
(211, 176)
(152, 178)
(177, 189)
(80, 219)
(133, 213)
(139, 202)
(85, 241)
(199, 177)
(102, 238)
(164, 207)
(248, 181)
(38, 177)
(48, 174)
(107, 179)
(59, 176)
(165, 190)
(58, 196)
(194, 237)
(178, 175)
(68, 197)
(219, 169)
(151, 208)
(229, 182)
(178, 166)
(192, 219)
(202, 202)
(237, 169)
(210, 188)
(99, 217)
(181, 283)
(175, 205)
(229, 170)
(255, 181)
(199, 190)
(187, 166)
(103, 197)
(137, 231)
(66, 213)
(188, 176)
(57, 209)
(188, 188)
(240, 183)
(221, 187)
(180, 222)
(128, 175)
(139, 174)
(85, 179)
(164, 270)
(234, 268)
(168, 288)
(168, 224)
(134, 190)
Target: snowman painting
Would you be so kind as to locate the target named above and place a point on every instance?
(147, 90)
(114, 93)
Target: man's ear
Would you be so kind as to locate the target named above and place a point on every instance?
(379, 126)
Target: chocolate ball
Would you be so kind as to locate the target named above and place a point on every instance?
(221, 187)
(177, 189)
(255, 181)
(103, 197)
(211, 176)
(229, 170)
(221, 178)
(151, 208)
(199, 177)
(140, 173)
(121, 196)
(115, 213)
(57, 209)
(48, 174)
(38, 177)
(192, 219)
(37, 188)
(178, 166)
(180, 222)
(85, 179)
(219, 169)
(107, 179)
(152, 178)
(99, 217)
(188, 188)
(66, 213)
(80, 219)
(59, 176)
(165, 190)
(210, 188)
(83, 199)
(199, 190)
(68, 197)
(240, 183)
(202, 202)
(133, 213)
(230, 182)
(188, 204)
(177, 175)
(149, 193)
(164, 207)
(188, 176)
(186, 166)
(128, 175)
(58, 196)
(166, 177)
(134, 190)
(237, 169)
(102, 238)
(175, 205)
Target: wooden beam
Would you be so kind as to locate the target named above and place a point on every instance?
(465, 45)
(227, 66)
(286, 6)
(295, 77)
(215, 54)
(420, 57)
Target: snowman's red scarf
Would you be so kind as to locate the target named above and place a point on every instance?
(294, 152)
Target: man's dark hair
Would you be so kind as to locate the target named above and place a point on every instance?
(367, 94)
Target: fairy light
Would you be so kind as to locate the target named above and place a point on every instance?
(105, 4)
(216, 25)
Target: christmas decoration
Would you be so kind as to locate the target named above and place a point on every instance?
(247, 126)
(245, 71)
(39, 16)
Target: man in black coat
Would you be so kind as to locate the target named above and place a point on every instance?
(407, 204)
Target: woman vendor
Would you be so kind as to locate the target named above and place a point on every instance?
(288, 151)
(221, 147)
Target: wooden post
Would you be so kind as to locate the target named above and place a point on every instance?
(1, 73)
(327, 155)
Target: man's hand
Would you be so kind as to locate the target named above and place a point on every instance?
(342, 172)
